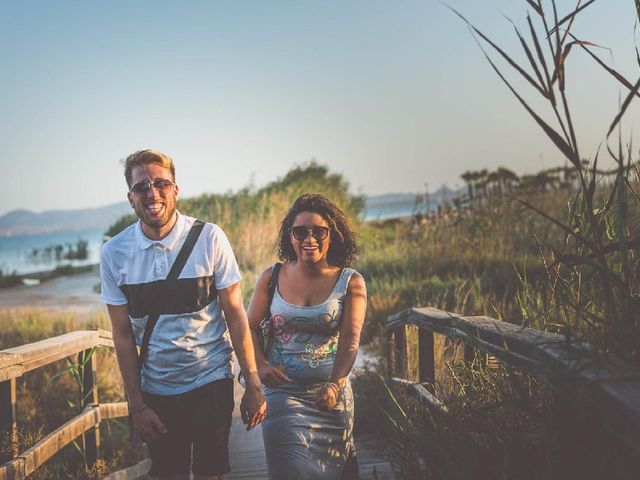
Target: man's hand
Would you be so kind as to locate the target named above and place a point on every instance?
(147, 426)
(253, 407)
(272, 376)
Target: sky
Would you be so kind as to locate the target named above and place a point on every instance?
(396, 96)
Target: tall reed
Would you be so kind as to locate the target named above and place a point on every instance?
(593, 286)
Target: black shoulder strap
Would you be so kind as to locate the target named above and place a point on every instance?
(186, 249)
(273, 281)
(174, 273)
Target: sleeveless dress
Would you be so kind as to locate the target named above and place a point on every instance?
(302, 442)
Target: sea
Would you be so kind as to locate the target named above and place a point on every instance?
(24, 254)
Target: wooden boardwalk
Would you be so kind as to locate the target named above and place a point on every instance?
(247, 458)
(246, 448)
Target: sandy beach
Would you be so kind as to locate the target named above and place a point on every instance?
(75, 293)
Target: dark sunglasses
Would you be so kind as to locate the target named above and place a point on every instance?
(161, 184)
(301, 232)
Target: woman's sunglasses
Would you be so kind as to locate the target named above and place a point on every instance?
(301, 232)
(161, 184)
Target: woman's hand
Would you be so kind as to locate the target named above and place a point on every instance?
(272, 376)
(327, 396)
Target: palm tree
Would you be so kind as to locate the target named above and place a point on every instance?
(507, 179)
(468, 178)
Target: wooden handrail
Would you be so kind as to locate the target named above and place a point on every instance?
(601, 382)
(27, 462)
(14, 362)
(19, 360)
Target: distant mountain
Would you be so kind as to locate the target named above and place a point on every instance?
(441, 195)
(24, 222)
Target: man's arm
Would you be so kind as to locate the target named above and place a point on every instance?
(252, 407)
(146, 424)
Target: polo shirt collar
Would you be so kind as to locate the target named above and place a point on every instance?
(167, 242)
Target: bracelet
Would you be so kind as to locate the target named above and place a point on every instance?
(335, 387)
(142, 408)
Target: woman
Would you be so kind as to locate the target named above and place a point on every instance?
(317, 311)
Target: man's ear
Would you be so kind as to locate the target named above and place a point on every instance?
(175, 185)
(130, 198)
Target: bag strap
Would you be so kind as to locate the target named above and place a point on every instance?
(176, 268)
(273, 282)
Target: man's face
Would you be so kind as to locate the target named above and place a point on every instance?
(155, 208)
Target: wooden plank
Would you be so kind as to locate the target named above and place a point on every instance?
(104, 334)
(113, 410)
(62, 343)
(13, 470)
(105, 338)
(426, 360)
(370, 463)
(88, 366)
(33, 458)
(37, 354)
(392, 360)
(58, 439)
(18, 360)
(604, 383)
(136, 471)
(11, 372)
(8, 426)
(400, 347)
(425, 395)
(8, 359)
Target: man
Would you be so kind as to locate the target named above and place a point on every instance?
(181, 402)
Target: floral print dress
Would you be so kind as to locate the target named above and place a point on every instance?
(302, 442)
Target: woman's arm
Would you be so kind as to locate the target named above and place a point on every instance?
(258, 306)
(355, 307)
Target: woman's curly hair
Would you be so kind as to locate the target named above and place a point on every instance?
(342, 249)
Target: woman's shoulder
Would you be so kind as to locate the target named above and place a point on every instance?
(265, 275)
(356, 280)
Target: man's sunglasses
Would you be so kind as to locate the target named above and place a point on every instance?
(161, 184)
(301, 232)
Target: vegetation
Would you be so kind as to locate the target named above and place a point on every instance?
(59, 252)
(593, 288)
(9, 279)
(557, 251)
(584, 283)
(49, 396)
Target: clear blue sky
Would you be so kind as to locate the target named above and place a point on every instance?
(394, 95)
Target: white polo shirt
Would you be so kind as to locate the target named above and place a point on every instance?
(190, 344)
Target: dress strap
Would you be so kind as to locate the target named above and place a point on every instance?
(343, 282)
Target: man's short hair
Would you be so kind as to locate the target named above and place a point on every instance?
(146, 157)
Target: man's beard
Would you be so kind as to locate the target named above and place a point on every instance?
(154, 221)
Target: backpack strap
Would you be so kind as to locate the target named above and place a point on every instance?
(273, 282)
(265, 328)
(266, 325)
(174, 273)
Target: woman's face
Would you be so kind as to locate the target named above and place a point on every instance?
(310, 237)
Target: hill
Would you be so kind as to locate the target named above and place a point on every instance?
(24, 222)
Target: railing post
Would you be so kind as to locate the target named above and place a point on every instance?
(88, 364)
(392, 361)
(426, 359)
(400, 348)
(8, 425)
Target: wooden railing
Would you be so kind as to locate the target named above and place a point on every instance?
(604, 385)
(15, 362)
